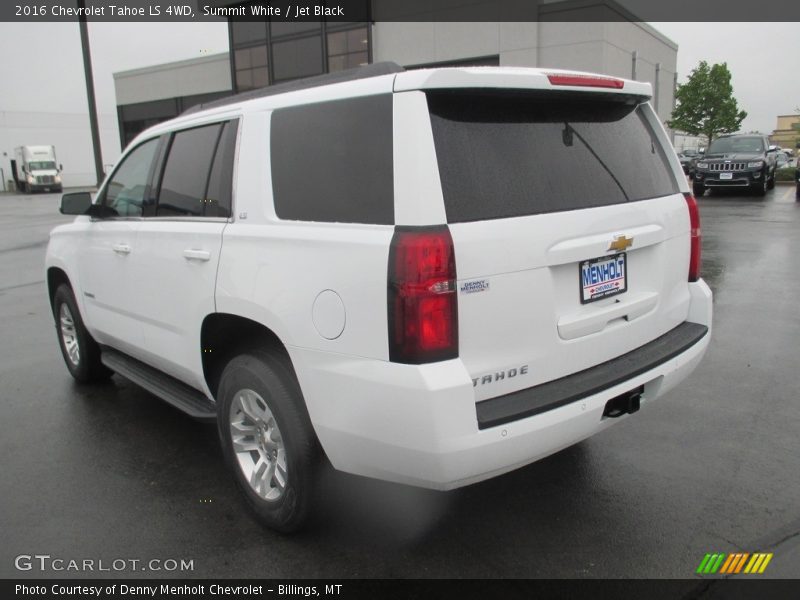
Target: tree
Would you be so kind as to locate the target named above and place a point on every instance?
(705, 103)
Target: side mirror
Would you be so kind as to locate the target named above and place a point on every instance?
(76, 203)
(101, 211)
(60, 167)
(772, 149)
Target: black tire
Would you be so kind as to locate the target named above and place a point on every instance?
(84, 365)
(797, 192)
(771, 182)
(760, 187)
(265, 379)
(698, 190)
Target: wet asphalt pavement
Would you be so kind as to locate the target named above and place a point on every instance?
(110, 472)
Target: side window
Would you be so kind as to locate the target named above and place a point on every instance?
(125, 192)
(220, 182)
(332, 161)
(186, 172)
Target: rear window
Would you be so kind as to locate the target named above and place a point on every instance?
(332, 161)
(512, 154)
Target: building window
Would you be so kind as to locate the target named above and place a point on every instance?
(251, 67)
(248, 32)
(296, 58)
(347, 49)
(266, 53)
(281, 28)
(135, 118)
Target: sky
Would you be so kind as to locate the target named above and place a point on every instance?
(42, 70)
(762, 59)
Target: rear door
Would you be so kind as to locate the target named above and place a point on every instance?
(570, 233)
(179, 243)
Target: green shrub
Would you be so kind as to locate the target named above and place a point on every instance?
(785, 174)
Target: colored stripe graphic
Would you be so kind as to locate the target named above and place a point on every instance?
(765, 563)
(758, 563)
(711, 563)
(740, 564)
(727, 565)
(718, 563)
(730, 564)
(703, 563)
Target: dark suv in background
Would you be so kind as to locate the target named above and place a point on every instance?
(797, 177)
(687, 159)
(736, 161)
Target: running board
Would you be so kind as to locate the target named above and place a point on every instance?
(183, 397)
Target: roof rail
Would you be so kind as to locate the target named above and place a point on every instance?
(373, 70)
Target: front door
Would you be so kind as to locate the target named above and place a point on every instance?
(108, 250)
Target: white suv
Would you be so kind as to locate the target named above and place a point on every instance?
(430, 277)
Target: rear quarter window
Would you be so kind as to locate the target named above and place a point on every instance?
(332, 161)
(510, 154)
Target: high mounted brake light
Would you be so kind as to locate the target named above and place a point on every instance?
(423, 309)
(586, 81)
(695, 237)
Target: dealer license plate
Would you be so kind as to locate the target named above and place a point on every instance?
(603, 277)
(726, 175)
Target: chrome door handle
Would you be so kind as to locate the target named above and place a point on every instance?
(121, 248)
(190, 254)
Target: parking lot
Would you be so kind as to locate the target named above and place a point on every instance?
(110, 472)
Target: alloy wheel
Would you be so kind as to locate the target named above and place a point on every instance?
(258, 444)
(69, 336)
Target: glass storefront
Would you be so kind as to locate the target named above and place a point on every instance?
(266, 53)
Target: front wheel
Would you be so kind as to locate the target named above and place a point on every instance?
(267, 438)
(771, 182)
(81, 353)
(760, 187)
(698, 190)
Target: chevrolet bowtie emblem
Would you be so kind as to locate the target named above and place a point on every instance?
(620, 243)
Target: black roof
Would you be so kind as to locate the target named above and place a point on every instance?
(373, 70)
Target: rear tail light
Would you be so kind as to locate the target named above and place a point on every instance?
(696, 238)
(423, 309)
(586, 81)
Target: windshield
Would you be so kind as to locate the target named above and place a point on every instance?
(736, 144)
(41, 165)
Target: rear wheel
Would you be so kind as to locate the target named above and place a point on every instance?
(267, 438)
(81, 353)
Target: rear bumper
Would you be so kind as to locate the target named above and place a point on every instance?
(573, 388)
(420, 425)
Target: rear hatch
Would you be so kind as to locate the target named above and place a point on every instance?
(571, 235)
